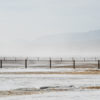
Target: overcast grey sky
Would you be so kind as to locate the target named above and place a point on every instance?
(22, 22)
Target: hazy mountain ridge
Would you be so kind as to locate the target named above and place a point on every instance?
(88, 37)
(63, 44)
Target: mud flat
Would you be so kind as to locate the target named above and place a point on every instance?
(50, 84)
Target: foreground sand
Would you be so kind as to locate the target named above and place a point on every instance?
(29, 84)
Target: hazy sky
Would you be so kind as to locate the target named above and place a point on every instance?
(24, 21)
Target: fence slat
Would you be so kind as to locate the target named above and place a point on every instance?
(50, 63)
(98, 64)
(25, 63)
(74, 64)
(0, 63)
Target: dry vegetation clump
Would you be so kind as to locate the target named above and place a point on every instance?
(29, 92)
(91, 87)
(13, 92)
(73, 72)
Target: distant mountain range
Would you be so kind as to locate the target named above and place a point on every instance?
(63, 44)
(86, 42)
(85, 38)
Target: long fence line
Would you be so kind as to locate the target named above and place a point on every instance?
(49, 63)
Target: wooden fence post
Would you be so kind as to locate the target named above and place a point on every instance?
(98, 64)
(74, 64)
(0, 63)
(25, 63)
(61, 59)
(50, 63)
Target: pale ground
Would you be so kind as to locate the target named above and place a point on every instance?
(65, 86)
